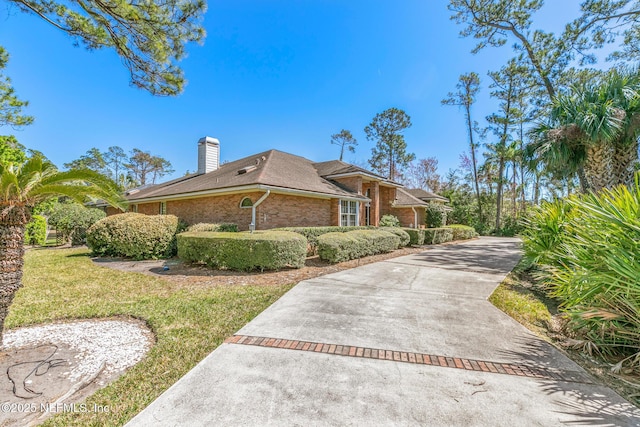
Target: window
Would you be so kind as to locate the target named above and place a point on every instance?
(246, 203)
(163, 208)
(348, 213)
(134, 208)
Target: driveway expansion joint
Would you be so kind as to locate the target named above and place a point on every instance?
(513, 369)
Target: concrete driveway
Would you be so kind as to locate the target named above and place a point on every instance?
(408, 341)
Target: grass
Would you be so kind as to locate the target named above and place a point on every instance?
(518, 297)
(61, 284)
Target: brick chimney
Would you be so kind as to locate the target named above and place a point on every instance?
(208, 154)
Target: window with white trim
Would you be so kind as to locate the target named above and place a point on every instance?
(246, 203)
(134, 208)
(348, 213)
(163, 208)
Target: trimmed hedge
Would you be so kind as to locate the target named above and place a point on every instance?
(337, 247)
(135, 235)
(435, 236)
(462, 232)
(260, 250)
(416, 236)
(35, 232)
(389, 221)
(405, 239)
(312, 234)
(222, 227)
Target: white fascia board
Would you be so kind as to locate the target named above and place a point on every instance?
(244, 189)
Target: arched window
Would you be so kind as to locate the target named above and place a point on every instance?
(246, 203)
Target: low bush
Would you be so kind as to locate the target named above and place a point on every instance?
(545, 229)
(260, 250)
(416, 236)
(35, 232)
(337, 247)
(436, 215)
(435, 236)
(405, 239)
(135, 235)
(587, 251)
(389, 221)
(312, 234)
(222, 227)
(462, 232)
(511, 226)
(72, 220)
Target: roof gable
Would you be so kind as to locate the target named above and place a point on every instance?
(269, 168)
(425, 195)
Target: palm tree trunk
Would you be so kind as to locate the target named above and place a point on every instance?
(13, 220)
(598, 166)
(625, 157)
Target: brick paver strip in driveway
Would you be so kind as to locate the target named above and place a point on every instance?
(419, 358)
(407, 341)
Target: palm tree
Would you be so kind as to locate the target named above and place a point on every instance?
(599, 125)
(24, 185)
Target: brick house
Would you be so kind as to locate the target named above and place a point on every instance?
(276, 189)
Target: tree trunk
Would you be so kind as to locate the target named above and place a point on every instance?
(13, 220)
(499, 195)
(625, 157)
(598, 166)
(514, 189)
(473, 160)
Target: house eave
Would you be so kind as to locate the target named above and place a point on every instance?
(244, 189)
(382, 180)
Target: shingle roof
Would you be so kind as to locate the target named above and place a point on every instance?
(270, 168)
(425, 195)
(338, 167)
(403, 198)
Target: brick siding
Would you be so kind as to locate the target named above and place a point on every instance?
(407, 217)
(277, 210)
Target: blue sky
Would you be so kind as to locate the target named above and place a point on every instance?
(271, 74)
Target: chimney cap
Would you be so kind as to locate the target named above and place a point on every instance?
(208, 140)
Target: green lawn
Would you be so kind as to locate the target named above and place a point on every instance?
(189, 324)
(517, 298)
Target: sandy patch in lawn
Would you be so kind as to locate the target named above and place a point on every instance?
(52, 368)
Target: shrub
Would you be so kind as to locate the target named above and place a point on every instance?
(510, 226)
(222, 227)
(416, 236)
(544, 230)
(135, 235)
(405, 239)
(435, 236)
(462, 232)
(337, 247)
(71, 221)
(436, 215)
(260, 250)
(389, 221)
(35, 232)
(589, 254)
(312, 234)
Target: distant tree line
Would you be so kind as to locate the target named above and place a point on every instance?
(128, 171)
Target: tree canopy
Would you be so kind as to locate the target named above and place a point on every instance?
(149, 36)
(10, 106)
(389, 156)
(344, 139)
